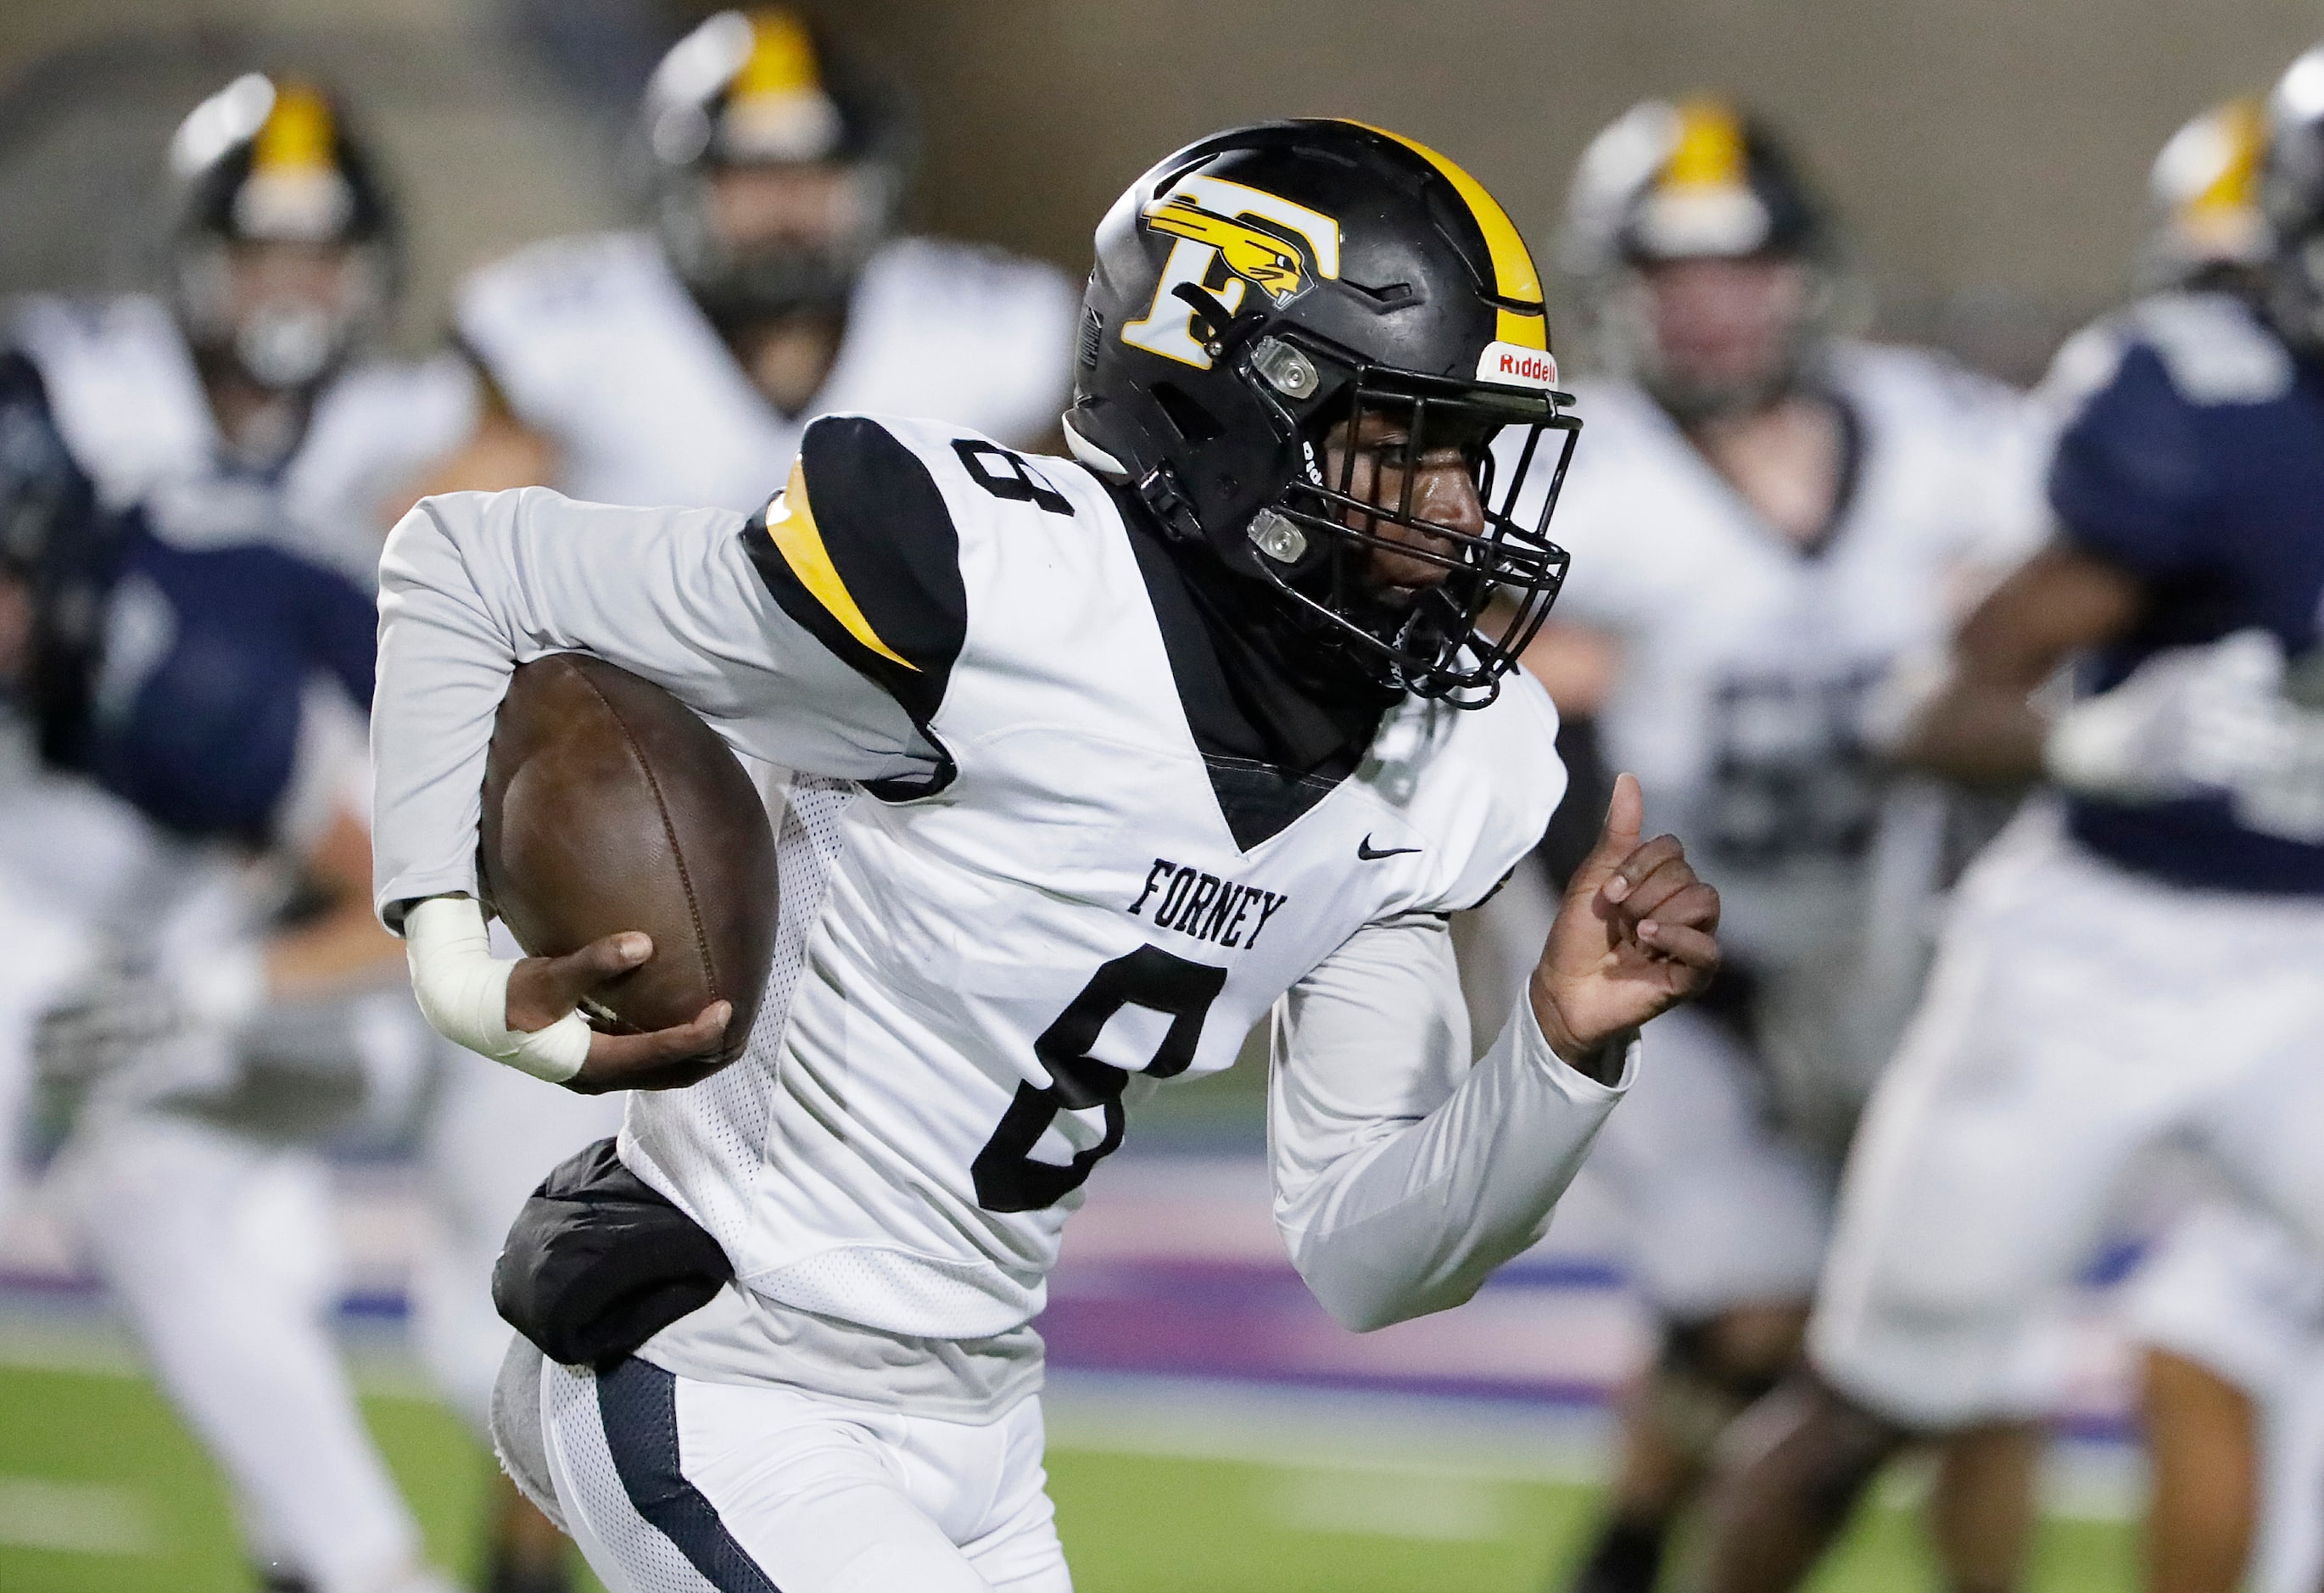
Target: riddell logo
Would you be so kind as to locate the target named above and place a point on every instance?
(1513, 366)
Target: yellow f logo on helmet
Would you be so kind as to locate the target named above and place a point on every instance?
(1211, 218)
(1251, 254)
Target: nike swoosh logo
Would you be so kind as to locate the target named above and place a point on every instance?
(1364, 850)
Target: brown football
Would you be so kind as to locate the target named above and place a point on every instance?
(609, 806)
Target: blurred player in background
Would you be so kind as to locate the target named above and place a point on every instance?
(237, 405)
(2228, 1305)
(2135, 962)
(680, 365)
(1767, 518)
(237, 418)
(229, 1010)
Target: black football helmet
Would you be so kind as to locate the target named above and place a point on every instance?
(2291, 195)
(1693, 180)
(269, 160)
(1271, 284)
(765, 87)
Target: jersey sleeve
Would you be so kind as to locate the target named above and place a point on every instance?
(860, 550)
(2128, 481)
(1404, 1175)
(474, 583)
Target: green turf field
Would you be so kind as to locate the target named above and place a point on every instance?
(94, 1465)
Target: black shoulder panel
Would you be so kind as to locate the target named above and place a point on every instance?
(869, 562)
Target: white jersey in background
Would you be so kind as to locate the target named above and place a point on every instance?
(122, 385)
(1748, 669)
(1747, 663)
(1036, 880)
(597, 346)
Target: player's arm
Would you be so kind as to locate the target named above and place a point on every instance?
(472, 585)
(339, 944)
(1981, 726)
(1404, 1176)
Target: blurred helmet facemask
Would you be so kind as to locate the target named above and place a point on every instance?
(2204, 225)
(2292, 197)
(1259, 289)
(762, 89)
(1697, 179)
(266, 162)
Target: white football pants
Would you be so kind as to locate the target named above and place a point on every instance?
(1720, 1208)
(673, 1485)
(220, 1249)
(2078, 1015)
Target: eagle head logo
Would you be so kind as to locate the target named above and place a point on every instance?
(1260, 258)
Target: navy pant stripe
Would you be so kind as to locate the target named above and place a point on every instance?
(638, 1403)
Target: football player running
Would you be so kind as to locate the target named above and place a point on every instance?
(2135, 962)
(2227, 1304)
(210, 1039)
(1768, 518)
(1099, 759)
(680, 364)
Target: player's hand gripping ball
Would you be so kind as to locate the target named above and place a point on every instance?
(1636, 934)
(627, 851)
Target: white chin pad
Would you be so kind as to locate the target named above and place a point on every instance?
(463, 989)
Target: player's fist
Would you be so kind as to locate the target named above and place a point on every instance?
(1636, 934)
(543, 989)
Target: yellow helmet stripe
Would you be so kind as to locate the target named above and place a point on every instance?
(297, 133)
(790, 524)
(1710, 151)
(782, 57)
(1515, 280)
(2236, 185)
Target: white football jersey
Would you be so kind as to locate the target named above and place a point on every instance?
(1033, 908)
(1747, 663)
(122, 385)
(599, 347)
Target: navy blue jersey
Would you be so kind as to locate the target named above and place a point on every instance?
(195, 710)
(175, 676)
(2197, 465)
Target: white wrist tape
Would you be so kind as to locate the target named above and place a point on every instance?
(463, 991)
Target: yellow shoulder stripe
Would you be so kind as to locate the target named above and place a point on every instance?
(790, 524)
(1514, 276)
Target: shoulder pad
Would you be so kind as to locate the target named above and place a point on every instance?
(554, 276)
(974, 273)
(859, 549)
(2215, 351)
(2212, 349)
(1927, 376)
